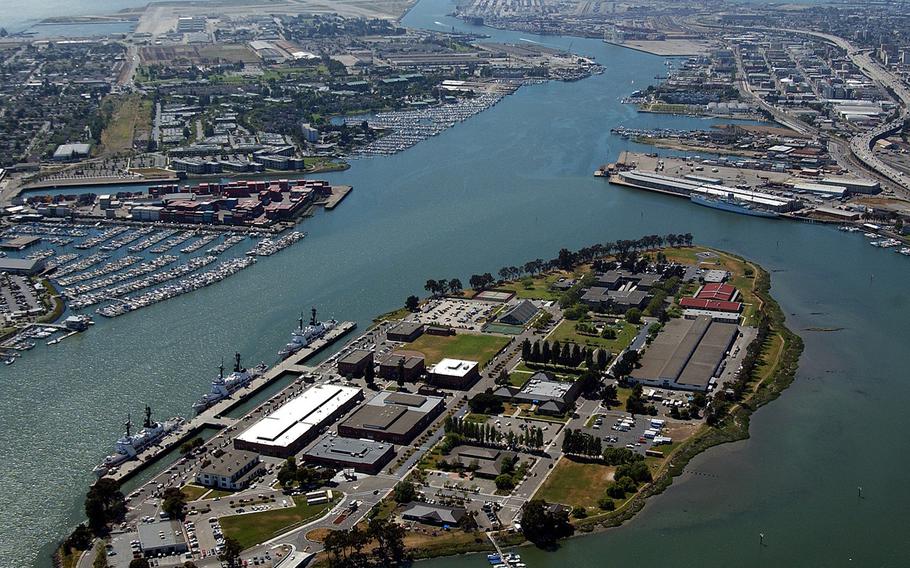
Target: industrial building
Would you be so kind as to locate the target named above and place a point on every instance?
(163, 538)
(410, 363)
(21, 266)
(686, 354)
(685, 188)
(853, 185)
(550, 395)
(287, 430)
(355, 363)
(361, 455)
(454, 374)
(232, 470)
(405, 332)
(392, 417)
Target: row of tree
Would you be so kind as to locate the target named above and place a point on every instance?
(458, 429)
(568, 354)
(442, 287)
(565, 260)
(581, 444)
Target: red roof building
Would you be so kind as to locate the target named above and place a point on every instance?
(713, 305)
(721, 292)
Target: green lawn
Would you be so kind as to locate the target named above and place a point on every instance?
(472, 347)
(576, 484)
(193, 492)
(255, 528)
(219, 493)
(565, 331)
(519, 378)
(537, 288)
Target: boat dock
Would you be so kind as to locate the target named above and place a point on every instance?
(213, 417)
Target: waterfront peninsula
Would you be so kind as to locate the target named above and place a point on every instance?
(550, 399)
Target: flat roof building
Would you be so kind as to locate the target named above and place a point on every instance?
(406, 331)
(392, 417)
(364, 456)
(162, 538)
(686, 354)
(355, 363)
(233, 470)
(411, 363)
(287, 430)
(454, 373)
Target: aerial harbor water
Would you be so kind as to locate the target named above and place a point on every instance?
(510, 184)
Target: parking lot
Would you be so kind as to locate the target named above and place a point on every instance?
(616, 435)
(461, 314)
(18, 296)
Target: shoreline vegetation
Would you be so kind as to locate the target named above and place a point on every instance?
(768, 369)
(776, 356)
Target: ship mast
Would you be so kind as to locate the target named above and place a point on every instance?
(313, 316)
(148, 417)
(300, 321)
(128, 424)
(236, 362)
(221, 369)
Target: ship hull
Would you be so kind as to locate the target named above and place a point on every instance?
(732, 207)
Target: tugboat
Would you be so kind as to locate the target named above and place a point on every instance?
(130, 445)
(304, 335)
(223, 387)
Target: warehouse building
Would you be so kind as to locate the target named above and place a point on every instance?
(163, 538)
(361, 455)
(853, 185)
(686, 354)
(454, 374)
(411, 363)
(355, 363)
(21, 266)
(405, 332)
(287, 430)
(393, 417)
(679, 186)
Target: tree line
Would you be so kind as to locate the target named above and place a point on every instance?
(568, 354)
(565, 260)
(459, 430)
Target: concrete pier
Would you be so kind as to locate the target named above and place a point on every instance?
(213, 417)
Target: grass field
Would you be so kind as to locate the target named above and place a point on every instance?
(472, 347)
(576, 484)
(537, 288)
(193, 492)
(565, 331)
(255, 528)
(129, 114)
